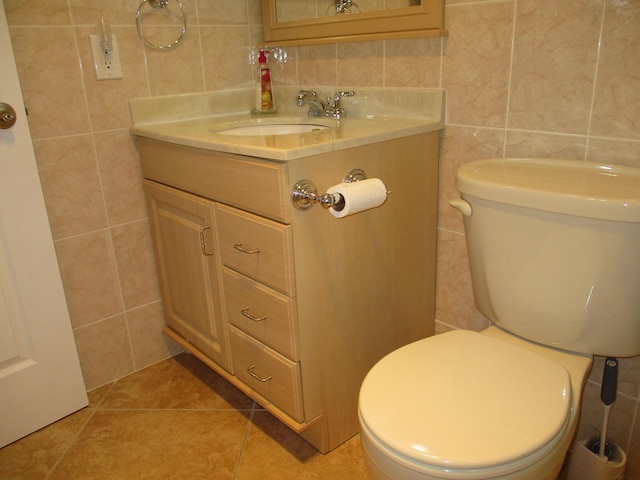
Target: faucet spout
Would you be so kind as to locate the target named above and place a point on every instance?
(318, 108)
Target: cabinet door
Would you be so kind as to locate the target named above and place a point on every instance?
(187, 256)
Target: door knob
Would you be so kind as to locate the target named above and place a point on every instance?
(7, 116)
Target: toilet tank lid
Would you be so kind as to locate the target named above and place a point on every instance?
(572, 187)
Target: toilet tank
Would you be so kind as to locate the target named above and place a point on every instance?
(554, 250)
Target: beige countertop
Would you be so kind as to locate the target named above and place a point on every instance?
(375, 115)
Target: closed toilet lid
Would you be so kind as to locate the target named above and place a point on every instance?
(465, 400)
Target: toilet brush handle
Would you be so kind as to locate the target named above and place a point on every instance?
(608, 397)
(609, 381)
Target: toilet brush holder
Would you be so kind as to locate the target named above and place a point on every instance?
(584, 464)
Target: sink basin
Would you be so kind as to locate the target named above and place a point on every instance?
(273, 129)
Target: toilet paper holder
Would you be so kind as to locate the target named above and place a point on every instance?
(304, 194)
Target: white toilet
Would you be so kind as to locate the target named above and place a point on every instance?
(554, 249)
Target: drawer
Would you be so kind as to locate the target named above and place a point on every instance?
(256, 247)
(263, 313)
(267, 372)
(249, 183)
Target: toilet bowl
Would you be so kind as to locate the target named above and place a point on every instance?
(552, 252)
(467, 405)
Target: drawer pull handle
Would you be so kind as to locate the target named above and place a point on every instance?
(245, 311)
(240, 248)
(203, 244)
(256, 376)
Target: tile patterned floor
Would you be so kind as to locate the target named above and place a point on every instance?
(175, 420)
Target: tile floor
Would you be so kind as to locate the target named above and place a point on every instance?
(174, 420)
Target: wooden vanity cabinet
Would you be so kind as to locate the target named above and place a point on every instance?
(294, 307)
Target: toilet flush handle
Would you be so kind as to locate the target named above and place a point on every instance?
(461, 205)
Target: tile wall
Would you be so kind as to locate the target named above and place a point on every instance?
(523, 78)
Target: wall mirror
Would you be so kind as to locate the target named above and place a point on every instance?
(299, 22)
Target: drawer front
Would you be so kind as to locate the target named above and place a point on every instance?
(257, 247)
(248, 183)
(263, 313)
(267, 372)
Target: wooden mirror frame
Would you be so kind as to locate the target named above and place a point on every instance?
(424, 20)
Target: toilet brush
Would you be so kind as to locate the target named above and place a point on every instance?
(608, 397)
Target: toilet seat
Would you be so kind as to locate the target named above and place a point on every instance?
(463, 401)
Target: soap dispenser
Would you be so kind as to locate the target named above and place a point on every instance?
(265, 101)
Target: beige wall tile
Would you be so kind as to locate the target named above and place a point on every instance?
(104, 351)
(361, 64)
(317, 65)
(52, 90)
(554, 64)
(117, 12)
(534, 144)
(71, 185)
(186, 58)
(615, 112)
(148, 344)
(413, 62)
(121, 176)
(614, 151)
(89, 277)
(454, 295)
(221, 12)
(135, 260)
(225, 53)
(254, 8)
(36, 12)
(633, 454)
(476, 63)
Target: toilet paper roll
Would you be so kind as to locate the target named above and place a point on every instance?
(359, 196)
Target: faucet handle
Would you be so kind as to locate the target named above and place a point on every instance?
(339, 94)
(302, 95)
(337, 110)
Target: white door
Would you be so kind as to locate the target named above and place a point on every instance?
(40, 377)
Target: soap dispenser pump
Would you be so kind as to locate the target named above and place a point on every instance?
(265, 101)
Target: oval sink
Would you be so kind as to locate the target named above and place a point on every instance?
(273, 129)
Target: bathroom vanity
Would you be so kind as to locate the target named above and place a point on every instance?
(293, 306)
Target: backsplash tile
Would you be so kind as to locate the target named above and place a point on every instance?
(523, 78)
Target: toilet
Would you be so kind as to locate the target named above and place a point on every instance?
(553, 253)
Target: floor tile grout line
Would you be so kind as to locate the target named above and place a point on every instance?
(72, 443)
(236, 470)
(92, 413)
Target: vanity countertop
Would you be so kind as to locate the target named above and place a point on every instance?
(374, 116)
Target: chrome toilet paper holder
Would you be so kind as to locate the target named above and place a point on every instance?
(304, 194)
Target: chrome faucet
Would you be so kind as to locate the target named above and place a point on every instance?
(318, 108)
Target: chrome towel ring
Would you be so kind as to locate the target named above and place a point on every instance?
(160, 4)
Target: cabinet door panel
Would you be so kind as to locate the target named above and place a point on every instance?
(187, 257)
